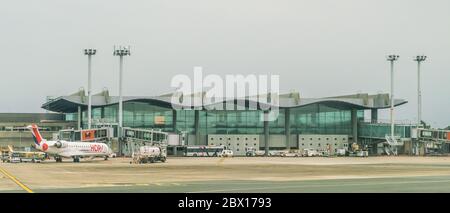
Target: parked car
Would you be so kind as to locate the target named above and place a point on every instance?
(251, 152)
(227, 153)
(311, 153)
(291, 153)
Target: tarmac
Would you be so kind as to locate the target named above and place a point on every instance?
(238, 174)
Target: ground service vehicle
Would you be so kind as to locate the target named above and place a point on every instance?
(277, 153)
(5, 156)
(341, 152)
(311, 153)
(252, 151)
(14, 158)
(34, 157)
(357, 151)
(149, 154)
(22, 156)
(227, 153)
(204, 151)
(291, 153)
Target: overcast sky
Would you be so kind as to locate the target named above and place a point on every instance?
(318, 47)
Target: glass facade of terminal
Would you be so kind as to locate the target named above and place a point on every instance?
(309, 119)
(380, 130)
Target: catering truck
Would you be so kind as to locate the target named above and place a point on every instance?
(149, 154)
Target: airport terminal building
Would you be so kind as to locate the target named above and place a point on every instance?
(316, 119)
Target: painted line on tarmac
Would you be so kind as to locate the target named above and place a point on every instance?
(15, 180)
(319, 185)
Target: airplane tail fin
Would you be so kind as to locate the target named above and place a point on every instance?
(36, 134)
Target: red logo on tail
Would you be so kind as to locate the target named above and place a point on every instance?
(36, 134)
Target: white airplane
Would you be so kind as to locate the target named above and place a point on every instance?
(75, 150)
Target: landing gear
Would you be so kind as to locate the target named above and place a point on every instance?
(106, 157)
(58, 159)
(76, 159)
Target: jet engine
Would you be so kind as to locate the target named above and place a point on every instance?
(58, 144)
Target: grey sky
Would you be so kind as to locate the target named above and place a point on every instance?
(318, 47)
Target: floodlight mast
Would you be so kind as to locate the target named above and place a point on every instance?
(89, 52)
(392, 59)
(121, 52)
(419, 59)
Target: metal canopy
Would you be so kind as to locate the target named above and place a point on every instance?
(70, 104)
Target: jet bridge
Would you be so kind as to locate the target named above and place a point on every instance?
(435, 141)
(104, 134)
(135, 138)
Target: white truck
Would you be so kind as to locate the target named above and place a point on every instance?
(149, 154)
(227, 153)
(341, 152)
(311, 153)
(252, 152)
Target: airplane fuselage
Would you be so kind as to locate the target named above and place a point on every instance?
(74, 149)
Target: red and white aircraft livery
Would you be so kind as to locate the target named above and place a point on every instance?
(75, 150)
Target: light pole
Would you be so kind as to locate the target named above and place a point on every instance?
(419, 59)
(392, 58)
(121, 52)
(89, 52)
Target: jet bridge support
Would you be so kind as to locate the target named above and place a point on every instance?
(135, 138)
